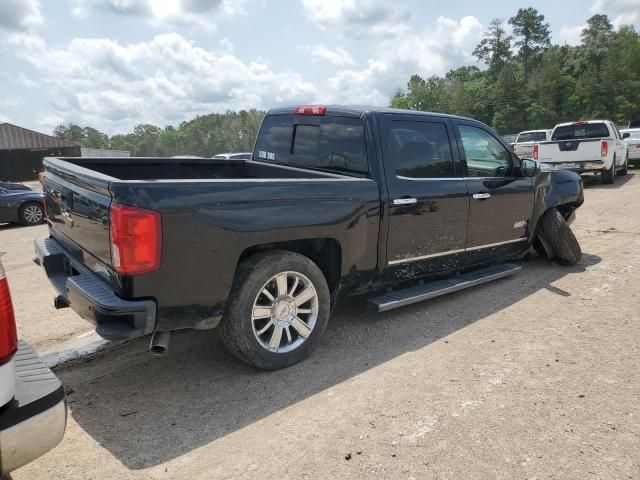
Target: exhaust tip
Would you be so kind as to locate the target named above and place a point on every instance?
(159, 343)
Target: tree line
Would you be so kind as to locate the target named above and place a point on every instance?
(527, 83)
(530, 83)
(204, 136)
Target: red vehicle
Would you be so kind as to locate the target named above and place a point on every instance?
(33, 413)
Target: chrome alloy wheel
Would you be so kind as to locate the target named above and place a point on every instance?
(285, 312)
(33, 214)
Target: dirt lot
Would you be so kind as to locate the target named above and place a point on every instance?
(535, 376)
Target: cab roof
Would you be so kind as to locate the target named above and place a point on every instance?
(358, 111)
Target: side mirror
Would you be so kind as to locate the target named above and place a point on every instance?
(529, 168)
(626, 135)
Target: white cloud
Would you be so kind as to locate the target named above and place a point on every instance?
(20, 15)
(624, 12)
(4, 119)
(436, 49)
(570, 35)
(113, 86)
(198, 13)
(358, 18)
(339, 57)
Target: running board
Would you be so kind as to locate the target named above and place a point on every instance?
(400, 298)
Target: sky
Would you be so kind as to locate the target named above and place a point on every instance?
(113, 64)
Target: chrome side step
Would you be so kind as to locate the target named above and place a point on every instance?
(400, 298)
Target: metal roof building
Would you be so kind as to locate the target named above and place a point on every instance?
(22, 151)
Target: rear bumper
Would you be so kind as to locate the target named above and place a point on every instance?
(35, 420)
(90, 297)
(578, 167)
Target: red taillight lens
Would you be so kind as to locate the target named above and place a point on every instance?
(136, 239)
(604, 149)
(535, 152)
(8, 335)
(310, 110)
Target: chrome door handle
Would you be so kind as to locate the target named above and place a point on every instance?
(405, 201)
(481, 196)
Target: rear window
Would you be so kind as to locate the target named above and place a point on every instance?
(532, 137)
(327, 143)
(585, 130)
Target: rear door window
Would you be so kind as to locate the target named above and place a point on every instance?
(420, 149)
(330, 143)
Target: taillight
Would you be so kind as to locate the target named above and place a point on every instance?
(8, 335)
(535, 151)
(136, 239)
(311, 110)
(604, 149)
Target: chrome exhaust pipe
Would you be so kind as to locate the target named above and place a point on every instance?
(159, 342)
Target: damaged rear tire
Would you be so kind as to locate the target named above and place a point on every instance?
(559, 241)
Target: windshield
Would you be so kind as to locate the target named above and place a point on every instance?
(532, 137)
(580, 130)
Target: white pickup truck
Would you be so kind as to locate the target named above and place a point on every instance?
(594, 146)
(523, 145)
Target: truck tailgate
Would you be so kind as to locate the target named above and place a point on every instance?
(570, 150)
(77, 207)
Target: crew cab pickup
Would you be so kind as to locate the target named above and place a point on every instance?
(523, 145)
(335, 201)
(594, 146)
(33, 413)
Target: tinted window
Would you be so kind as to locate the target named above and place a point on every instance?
(532, 137)
(420, 149)
(486, 157)
(333, 143)
(585, 130)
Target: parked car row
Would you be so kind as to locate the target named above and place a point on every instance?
(593, 146)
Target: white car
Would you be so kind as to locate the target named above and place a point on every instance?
(523, 145)
(33, 412)
(594, 146)
(631, 136)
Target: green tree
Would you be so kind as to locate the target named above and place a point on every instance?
(495, 47)
(531, 35)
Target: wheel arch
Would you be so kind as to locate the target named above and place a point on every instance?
(326, 253)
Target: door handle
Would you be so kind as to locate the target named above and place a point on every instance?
(481, 196)
(405, 201)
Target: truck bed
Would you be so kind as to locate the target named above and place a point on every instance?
(156, 168)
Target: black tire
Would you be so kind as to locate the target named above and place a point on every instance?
(609, 175)
(31, 213)
(555, 233)
(625, 167)
(237, 327)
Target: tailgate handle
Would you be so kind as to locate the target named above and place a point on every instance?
(481, 196)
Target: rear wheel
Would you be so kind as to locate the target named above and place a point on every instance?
(609, 175)
(558, 239)
(277, 311)
(31, 213)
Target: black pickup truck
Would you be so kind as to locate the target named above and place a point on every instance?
(335, 201)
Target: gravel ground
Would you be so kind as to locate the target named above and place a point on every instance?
(535, 376)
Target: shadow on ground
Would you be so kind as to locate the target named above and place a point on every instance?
(594, 181)
(147, 410)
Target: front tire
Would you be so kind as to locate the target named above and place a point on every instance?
(609, 175)
(554, 232)
(31, 213)
(277, 311)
